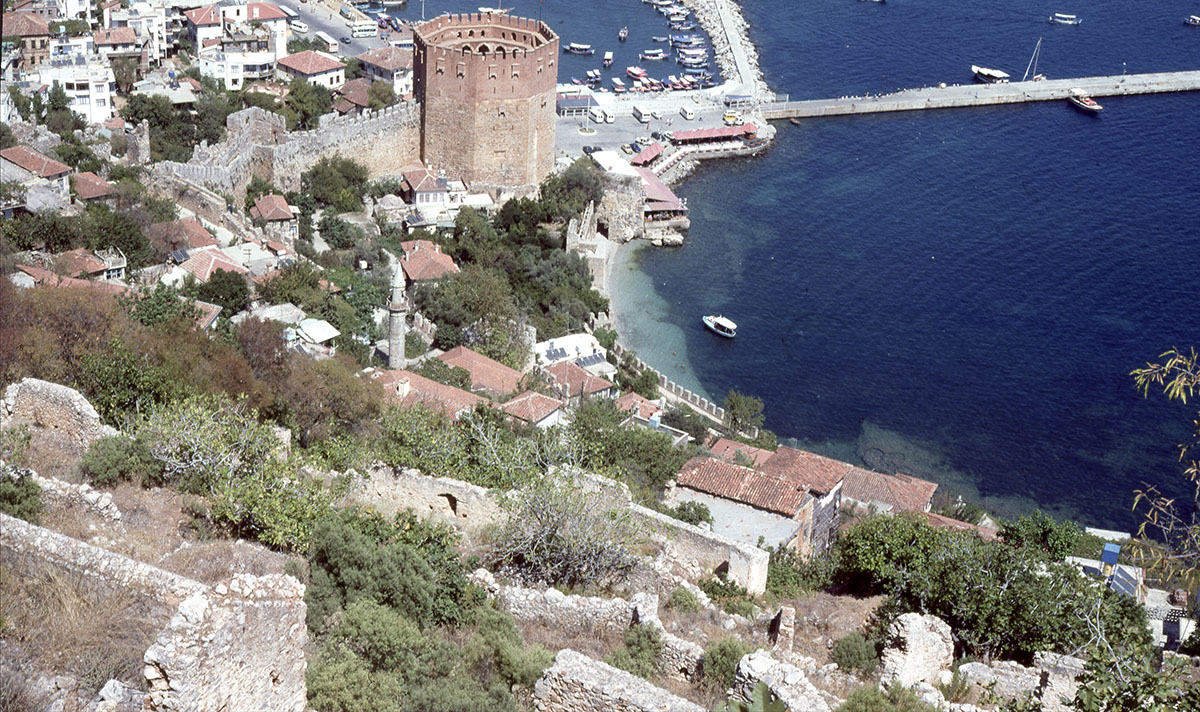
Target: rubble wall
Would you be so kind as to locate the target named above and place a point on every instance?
(60, 419)
(576, 683)
(469, 508)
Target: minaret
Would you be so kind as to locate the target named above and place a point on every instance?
(397, 321)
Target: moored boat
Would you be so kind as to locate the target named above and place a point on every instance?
(636, 72)
(653, 54)
(720, 325)
(608, 59)
(1060, 18)
(660, 38)
(624, 33)
(1080, 100)
(989, 76)
(576, 48)
(1194, 21)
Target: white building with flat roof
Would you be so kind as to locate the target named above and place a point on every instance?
(88, 81)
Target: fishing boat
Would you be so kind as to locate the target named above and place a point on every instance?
(623, 34)
(1059, 18)
(608, 59)
(989, 76)
(683, 26)
(1032, 66)
(1194, 21)
(576, 48)
(660, 38)
(653, 54)
(1080, 100)
(720, 325)
(678, 17)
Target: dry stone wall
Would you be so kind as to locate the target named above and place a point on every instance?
(235, 646)
(59, 418)
(576, 683)
(923, 648)
(469, 508)
(787, 682)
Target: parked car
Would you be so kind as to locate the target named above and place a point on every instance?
(589, 150)
(627, 148)
(658, 136)
(344, 40)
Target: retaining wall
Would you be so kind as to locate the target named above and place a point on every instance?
(59, 418)
(469, 508)
(576, 683)
(697, 402)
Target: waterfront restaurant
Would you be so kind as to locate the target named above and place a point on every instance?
(721, 134)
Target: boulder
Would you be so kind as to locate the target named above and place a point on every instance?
(787, 682)
(920, 648)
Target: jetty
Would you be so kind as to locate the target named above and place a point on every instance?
(960, 95)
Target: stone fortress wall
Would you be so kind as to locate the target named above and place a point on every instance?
(258, 144)
(486, 84)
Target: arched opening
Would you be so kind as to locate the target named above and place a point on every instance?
(484, 49)
(451, 501)
(722, 571)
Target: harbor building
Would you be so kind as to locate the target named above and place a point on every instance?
(486, 83)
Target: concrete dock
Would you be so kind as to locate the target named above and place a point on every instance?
(987, 94)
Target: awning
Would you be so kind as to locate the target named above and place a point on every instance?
(647, 154)
(719, 132)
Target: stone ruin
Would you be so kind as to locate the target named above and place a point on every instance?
(60, 419)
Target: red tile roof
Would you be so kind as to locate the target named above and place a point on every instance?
(78, 263)
(637, 404)
(24, 24)
(423, 180)
(356, 92)
(572, 380)
(271, 207)
(203, 263)
(727, 449)
(815, 472)
(531, 407)
(115, 122)
(176, 234)
(264, 11)
(34, 162)
(486, 374)
(46, 278)
(742, 484)
(344, 106)
(115, 36)
(310, 62)
(201, 16)
(425, 260)
(647, 154)
(388, 58)
(89, 186)
(940, 522)
(904, 493)
(412, 389)
(719, 132)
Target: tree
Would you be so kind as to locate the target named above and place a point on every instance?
(743, 413)
(226, 289)
(306, 103)
(104, 227)
(339, 234)
(150, 307)
(380, 95)
(554, 532)
(353, 68)
(336, 181)
(7, 139)
(125, 71)
(1176, 527)
(1042, 535)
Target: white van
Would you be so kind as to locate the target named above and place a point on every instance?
(597, 114)
(687, 112)
(299, 27)
(610, 116)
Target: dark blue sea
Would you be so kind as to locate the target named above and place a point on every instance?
(957, 294)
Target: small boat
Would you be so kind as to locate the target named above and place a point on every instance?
(1194, 21)
(492, 11)
(874, 0)
(623, 34)
(660, 38)
(989, 76)
(1080, 100)
(618, 85)
(636, 72)
(576, 48)
(1032, 66)
(608, 59)
(720, 325)
(653, 54)
(1059, 18)
(683, 26)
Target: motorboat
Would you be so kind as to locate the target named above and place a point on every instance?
(623, 34)
(720, 325)
(636, 72)
(608, 59)
(653, 54)
(1059, 18)
(1080, 100)
(660, 38)
(1194, 21)
(576, 48)
(683, 26)
(989, 76)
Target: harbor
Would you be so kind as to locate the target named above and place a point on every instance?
(964, 95)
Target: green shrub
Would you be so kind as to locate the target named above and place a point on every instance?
(20, 497)
(683, 601)
(957, 690)
(855, 652)
(895, 699)
(120, 458)
(731, 597)
(643, 645)
(719, 664)
(694, 513)
(789, 575)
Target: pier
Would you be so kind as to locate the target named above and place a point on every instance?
(961, 95)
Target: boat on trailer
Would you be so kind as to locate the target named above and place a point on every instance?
(1060, 18)
(720, 325)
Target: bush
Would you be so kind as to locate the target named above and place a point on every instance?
(694, 513)
(119, 458)
(855, 652)
(895, 699)
(719, 665)
(731, 597)
(556, 533)
(789, 575)
(20, 497)
(643, 645)
(683, 601)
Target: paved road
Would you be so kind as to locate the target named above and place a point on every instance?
(320, 18)
(569, 142)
